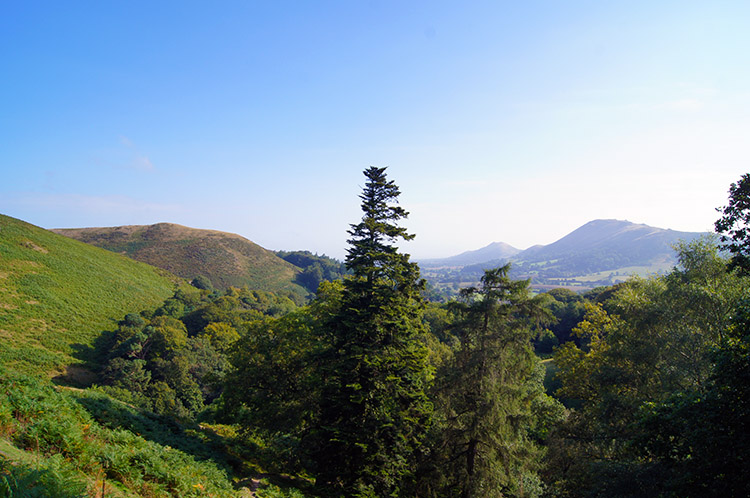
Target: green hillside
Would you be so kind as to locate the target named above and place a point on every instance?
(226, 259)
(57, 295)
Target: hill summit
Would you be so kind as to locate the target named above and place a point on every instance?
(226, 259)
(601, 252)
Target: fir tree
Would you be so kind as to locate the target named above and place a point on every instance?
(487, 394)
(374, 409)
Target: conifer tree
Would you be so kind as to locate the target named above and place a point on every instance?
(374, 408)
(487, 394)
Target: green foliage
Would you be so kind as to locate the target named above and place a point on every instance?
(274, 385)
(374, 409)
(58, 295)
(173, 361)
(69, 444)
(734, 224)
(202, 282)
(568, 309)
(491, 401)
(649, 362)
(315, 269)
(54, 478)
(702, 436)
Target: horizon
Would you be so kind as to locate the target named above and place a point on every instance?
(415, 259)
(498, 121)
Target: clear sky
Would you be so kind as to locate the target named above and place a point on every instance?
(513, 121)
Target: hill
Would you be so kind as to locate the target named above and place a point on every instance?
(226, 259)
(57, 295)
(60, 300)
(604, 245)
(493, 251)
(600, 252)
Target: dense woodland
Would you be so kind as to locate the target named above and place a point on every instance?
(372, 390)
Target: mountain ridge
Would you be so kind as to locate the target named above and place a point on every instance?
(600, 252)
(226, 259)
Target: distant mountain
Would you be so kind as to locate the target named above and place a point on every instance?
(602, 245)
(493, 251)
(226, 259)
(57, 295)
(598, 253)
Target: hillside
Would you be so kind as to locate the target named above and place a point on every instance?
(600, 252)
(493, 251)
(226, 259)
(604, 245)
(60, 301)
(57, 295)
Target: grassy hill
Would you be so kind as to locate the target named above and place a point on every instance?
(226, 259)
(57, 295)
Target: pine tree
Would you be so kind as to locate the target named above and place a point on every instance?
(374, 409)
(486, 394)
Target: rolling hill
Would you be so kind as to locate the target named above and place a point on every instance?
(226, 259)
(603, 245)
(493, 251)
(57, 295)
(600, 252)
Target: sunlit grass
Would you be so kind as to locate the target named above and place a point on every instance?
(58, 295)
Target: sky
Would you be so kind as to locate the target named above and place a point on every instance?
(500, 121)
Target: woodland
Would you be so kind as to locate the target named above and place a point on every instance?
(372, 390)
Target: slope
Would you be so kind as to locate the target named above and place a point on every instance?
(602, 245)
(57, 295)
(600, 252)
(226, 259)
(491, 252)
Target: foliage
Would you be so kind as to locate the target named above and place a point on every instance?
(734, 224)
(490, 396)
(315, 269)
(568, 309)
(54, 478)
(655, 347)
(274, 386)
(61, 449)
(374, 409)
(173, 361)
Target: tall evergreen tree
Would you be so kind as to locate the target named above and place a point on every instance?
(374, 408)
(487, 394)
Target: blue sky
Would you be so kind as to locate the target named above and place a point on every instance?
(500, 121)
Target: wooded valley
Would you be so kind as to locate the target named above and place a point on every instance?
(121, 379)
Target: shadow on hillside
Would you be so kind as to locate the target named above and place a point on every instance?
(163, 430)
(91, 357)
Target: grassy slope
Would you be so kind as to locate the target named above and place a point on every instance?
(226, 259)
(57, 295)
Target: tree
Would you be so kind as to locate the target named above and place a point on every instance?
(734, 224)
(374, 409)
(648, 356)
(488, 393)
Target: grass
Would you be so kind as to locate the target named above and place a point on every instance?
(58, 295)
(226, 259)
(72, 435)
